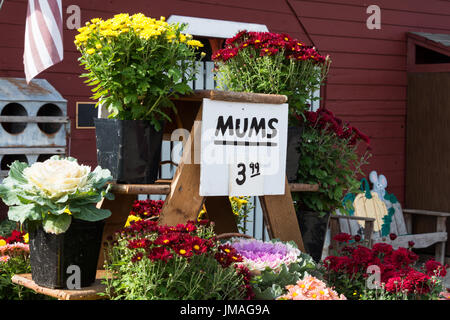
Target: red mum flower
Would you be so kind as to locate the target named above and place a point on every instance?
(434, 268)
(383, 248)
(160, 253)
(137, 257)
(342, 237)
(139, 243)
(392, 236)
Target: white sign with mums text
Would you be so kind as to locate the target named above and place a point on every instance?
(243, 148)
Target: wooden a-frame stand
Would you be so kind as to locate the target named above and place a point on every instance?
(183, 202)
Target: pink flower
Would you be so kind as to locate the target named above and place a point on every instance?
(310, 288)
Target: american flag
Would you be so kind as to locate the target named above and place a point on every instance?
(43, 36)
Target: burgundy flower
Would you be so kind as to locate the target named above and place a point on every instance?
(342, 237)
(434, 268)
(392, 236)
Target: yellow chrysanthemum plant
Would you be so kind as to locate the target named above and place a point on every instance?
(136, 64)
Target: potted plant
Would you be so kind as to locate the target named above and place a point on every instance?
(400, 274)
(265, 62)
(148, 261)
(273, 265)
(136, 64)
(56, 200)
(330, 156)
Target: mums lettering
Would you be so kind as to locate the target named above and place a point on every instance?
(247, 127)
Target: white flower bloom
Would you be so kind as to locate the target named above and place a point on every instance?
(57, 177)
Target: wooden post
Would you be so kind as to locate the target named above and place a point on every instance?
(120, 209)
(440, 246)
(183, 203)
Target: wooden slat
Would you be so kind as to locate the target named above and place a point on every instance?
(303, 187)
(421, 240)
(231, 96)
(427, 212)
(149, 189)
(353, 218)
(88, 293)
(140, 188)
(440, 246)
(44, 119)
(183, 203)
(400, 221)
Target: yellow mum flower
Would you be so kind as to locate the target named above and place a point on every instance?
(98, 46)
(90, 51)
(26, 238)
(2, 243)
(194, 43)
(130, 219)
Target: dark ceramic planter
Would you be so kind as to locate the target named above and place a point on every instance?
(130, 149)
(51, 255)
(293, 153)
(313, 228)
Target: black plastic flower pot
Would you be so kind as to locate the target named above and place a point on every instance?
(293, 152)
(313, 228)
(51, 256)
(130, 149)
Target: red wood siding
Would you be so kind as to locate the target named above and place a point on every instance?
(367, 84)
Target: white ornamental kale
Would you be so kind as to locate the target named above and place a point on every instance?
(54, 192)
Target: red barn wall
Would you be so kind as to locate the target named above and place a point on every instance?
(367, 84)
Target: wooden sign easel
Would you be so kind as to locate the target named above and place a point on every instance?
(183, 201)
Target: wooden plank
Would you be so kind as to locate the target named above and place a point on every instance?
(232, 96)
(140, 188)
(209, 75)
(184, 202)
(421, 240)
(440, 246)
(368, 232)
(427, 212)
(401, 16)
(199, 83)
(400, 221)
(87, 293)
(427, 148)
(303, 187)
(361, 92)
(372, 77)
(281, 218)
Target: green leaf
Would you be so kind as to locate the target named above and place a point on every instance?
(24, 212)
(8, 194)
(56, 224)
(91, 213)
(16, 172)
